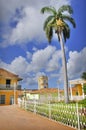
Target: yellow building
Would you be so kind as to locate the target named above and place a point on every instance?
(10, 90)
(76, 89)
(42, 82)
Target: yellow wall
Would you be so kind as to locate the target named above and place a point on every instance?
(77, 89)
(8, 93)
(13, 81)
(43, 82)
(3, 81)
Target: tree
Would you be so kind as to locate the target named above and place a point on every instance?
(84, 77)
(57, 21)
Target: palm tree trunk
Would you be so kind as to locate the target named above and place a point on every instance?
(64, 69)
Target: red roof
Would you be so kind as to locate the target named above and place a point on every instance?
(6, 74)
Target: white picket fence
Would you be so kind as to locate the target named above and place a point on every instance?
(68, 114)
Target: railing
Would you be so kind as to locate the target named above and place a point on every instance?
(9, 87)
(77, 98)
(69, 114)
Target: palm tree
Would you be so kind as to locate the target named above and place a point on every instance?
(57, 21)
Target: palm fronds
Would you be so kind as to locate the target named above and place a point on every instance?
(70, 19)
(58, 21)
(49, 20)
(49, 33)
(48, 10)
(64, 8)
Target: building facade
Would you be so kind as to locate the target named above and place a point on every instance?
(76, 89)
(10, 89)
(42, 82)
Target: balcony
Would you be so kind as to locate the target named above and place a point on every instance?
(9, 87)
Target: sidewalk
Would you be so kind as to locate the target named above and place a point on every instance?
(13, 118)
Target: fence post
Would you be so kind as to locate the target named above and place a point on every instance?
(25, 105)
(22, 104)
(35, 106)
(19, 102)
(78, 120)
(49, 110)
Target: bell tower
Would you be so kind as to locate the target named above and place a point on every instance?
(42, 82)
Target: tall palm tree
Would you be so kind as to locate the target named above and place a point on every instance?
(57, 21)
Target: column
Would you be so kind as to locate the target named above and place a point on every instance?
(82, 91)
(58, 94)
(71, 92)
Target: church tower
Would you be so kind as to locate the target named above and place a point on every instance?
(42, 82)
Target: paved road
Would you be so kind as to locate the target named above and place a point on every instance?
(13, 118)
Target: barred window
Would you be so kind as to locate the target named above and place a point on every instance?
(8, 81)
(2, 99)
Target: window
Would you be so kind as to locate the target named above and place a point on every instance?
(8, 83)
(2, 99)
(45, 82)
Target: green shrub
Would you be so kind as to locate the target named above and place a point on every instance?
(84, 88)
(82, 102)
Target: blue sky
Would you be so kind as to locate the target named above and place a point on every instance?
(24, 48)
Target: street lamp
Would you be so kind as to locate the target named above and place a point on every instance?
(58, 82)
(24, 94)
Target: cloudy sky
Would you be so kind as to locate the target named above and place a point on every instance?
(24, 49)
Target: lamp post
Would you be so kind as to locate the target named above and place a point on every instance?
(24, 94)
(58, 82)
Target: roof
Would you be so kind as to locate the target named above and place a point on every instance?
(45, 90)
(6, 74)
(77, 81)
(75, 88)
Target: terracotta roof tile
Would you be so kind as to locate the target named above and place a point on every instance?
(46, 90)
(6, 74)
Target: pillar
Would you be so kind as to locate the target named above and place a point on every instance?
(71, 91)
(82, 91)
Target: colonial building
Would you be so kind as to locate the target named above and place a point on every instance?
(42, 82)
(76, 89)
(45, 94)
(10, 89)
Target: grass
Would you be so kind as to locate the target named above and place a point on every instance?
(83, 102)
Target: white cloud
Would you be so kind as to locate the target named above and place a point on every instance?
(76, 63)
(42, 56)
(35, 64)
(28, 55)
(34, 49)
(53, 63)
(19, 65)
(59, 3)
(8, 7)
(30, 26)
